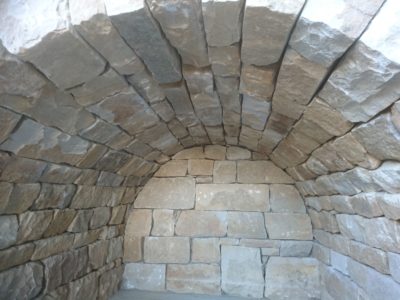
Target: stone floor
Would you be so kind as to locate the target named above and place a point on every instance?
(144, 295)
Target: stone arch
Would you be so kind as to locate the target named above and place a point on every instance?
(94, 100)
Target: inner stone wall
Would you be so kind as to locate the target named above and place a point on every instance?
(221, 221)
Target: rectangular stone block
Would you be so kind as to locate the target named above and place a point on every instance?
(173, 168)
(246, 225)
(225, 61)
(243, 197)
(288, 226)
(205, 250)
(201, 223)
(200, 167)
(141, 276)
(261, 172)
(163, 222)
(238, 280)
(257, 82)
(166, 250)
(194, 278)
(224, 171)
(173, 193)
(286, 198)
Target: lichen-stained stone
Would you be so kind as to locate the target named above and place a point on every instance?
(266, 29)
(370, 256)
(225, 61)
(246, 225)
(261, 172)
(237, 153)
(243, 197)
(241, 271)
(224, 171)
(288, 226)
(286, 198)
(208, 109)
(126, 109)
(257, 82)
(163, 222)
(194, 278)
(172, 193)
(173, 168)
(100, 87)
(201, 224)
(54, 48)
(8, 121)
(205, 250)
(200, 167)
(34, 140)
(255, 112)
(321, 34)
(25, 281)
(90, 20)
(292, 277)
(166, 249)
(18, 78)
(9, 228)
(379, 137)
(144, 277)
(146, 86)
(222, 21)
(136, 25)
(182, 23)
(353, 88)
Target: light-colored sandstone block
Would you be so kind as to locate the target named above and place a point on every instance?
(286, 198)
(201, 223)
(144, 277)
(246, 225)
(225, 61)
(166, 250)
(163, 222)
(194, 278)
(173, 168)
(139, 223)
(288, 226)
(173, 193)
(224, 171)
(261, 172)
(215, 152)
(205, 250)
(200, 167)
(241, 271)
(255, 112)
(236, 153)
(243, 197)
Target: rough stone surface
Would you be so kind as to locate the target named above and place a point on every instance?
(167, 193)
(166, 250)
(241, 271)
(144, 277)
(201, 223)
(292, 277)
(244, 197)
(163, 222)
(246, 225)
(261, 172)
(173, 168)
(288, 226)
(224, 172)
(205, 250)
(286, 198)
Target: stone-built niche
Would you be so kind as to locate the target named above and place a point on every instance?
(221, 221)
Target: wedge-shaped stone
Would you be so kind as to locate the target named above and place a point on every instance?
(255, 112)
(144, 277)
(288, 226)
(181, 22)
(208, 109)
(137, 26)
(173, 193)
(261, 172)
(90, 20)
(241, 271)
(53, 47)
(8, 120)
(262, 42)
(222, 21)
(126, 109)
(296, 278)
(225, 61)
(146, 86)
(166, 250)
(321, 34)
(194, 278)
(353, 88)
(201, 223)
(243, 197)
(257, 82)
(246, 225)
(199, 80)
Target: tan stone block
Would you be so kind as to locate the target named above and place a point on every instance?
(166, 250)
(286, 198)
(173, 168)
(200, 167)
(163, 222)
(191, 153)
(205, 250)
(288, 226)
(133, 249)
(236, 153)
(215, 152)
(246, 225)
(224, 171)
(194, 278)
(139, 223)
(201, 223)
(261, 172)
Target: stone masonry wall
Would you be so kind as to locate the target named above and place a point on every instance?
(220, 221)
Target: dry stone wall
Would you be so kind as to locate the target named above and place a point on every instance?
(220, 221)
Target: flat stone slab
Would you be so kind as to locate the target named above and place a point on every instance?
(144, 277)
(194, 278)
(246, 225)
(173, 193)
(166, 250)
(261, 172)
(292, 278)
(241, 271)
(201, 223)
(243, 197)
(287, 226)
